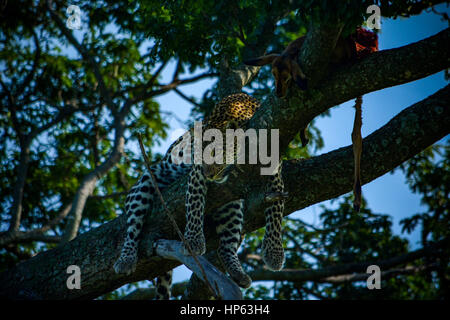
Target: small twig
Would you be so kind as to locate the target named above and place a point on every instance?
(171, 218)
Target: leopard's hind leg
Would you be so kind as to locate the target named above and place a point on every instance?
(138, 202)
(229, 221)
(272, 247)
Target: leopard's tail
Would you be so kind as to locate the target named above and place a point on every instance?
(163, 286)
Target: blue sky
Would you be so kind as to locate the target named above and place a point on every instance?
(387, 194)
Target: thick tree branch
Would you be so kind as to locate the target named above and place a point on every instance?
(19, 185)
(180, 287)
(231, 80)
(388, 68)
(307, 181)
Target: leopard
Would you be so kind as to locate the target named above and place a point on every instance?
(233, 111)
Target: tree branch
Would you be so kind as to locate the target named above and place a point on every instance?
(19, 185)
(27, 236)
(38, 234)
(408, 133)
(384, 274)
(163, 88)
(88, 183)
(326, 274)
(232, 80)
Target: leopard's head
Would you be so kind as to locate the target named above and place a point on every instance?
(233, 112)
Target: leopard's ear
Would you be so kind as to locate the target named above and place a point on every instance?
(261, 61)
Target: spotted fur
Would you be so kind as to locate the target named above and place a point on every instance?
(233, 111)
(272, 248)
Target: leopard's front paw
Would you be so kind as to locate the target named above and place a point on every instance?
(126, 264)
(273, 256)
(196, 243)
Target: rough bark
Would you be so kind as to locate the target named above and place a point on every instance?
(336, 274)
(329, 274)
